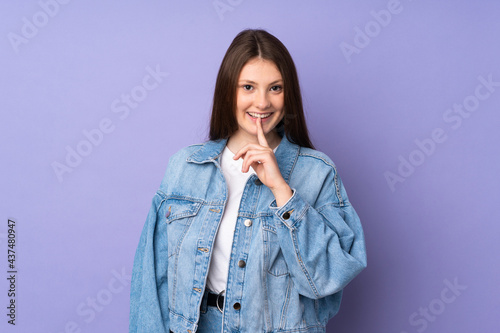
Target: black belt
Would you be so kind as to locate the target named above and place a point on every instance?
(212, 300)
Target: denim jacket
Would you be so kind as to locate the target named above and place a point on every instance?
(297, 257)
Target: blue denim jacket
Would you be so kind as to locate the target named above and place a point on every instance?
(298, 256)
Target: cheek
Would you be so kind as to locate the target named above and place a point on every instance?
(242, 101)
(279, 102)
(280, 105)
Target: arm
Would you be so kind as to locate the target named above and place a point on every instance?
(323, 247)
(148, 291)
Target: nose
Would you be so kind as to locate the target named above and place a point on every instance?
(262, 101)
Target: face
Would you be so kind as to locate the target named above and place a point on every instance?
(259, 94)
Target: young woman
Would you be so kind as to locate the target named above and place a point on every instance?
(251, 231)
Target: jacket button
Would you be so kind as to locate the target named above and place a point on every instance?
(237, 306)
(258, 182)
(242, 263)
(248, 223)
(286, 215)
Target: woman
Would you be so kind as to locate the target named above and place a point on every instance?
(251, 231)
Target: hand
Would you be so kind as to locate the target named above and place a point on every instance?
(267, 170)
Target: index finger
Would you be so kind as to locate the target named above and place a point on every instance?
(260, 133)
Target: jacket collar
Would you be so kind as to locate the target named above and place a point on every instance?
(286, 154)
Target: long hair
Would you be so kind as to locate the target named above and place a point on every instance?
(248, 44)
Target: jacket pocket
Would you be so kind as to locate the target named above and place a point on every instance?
(178, 216)
(274, 260)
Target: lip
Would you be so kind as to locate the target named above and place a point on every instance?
(262, 120)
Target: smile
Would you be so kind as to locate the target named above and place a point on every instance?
(259, 115)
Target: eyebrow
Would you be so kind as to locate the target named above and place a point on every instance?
(250, 81)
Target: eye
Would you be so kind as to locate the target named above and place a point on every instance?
(247, 87)
(277, 88)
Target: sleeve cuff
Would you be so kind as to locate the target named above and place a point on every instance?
(291, 211)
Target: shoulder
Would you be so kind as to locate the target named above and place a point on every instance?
(315, 157)
(179, 159)
(178, 166)
(182, 154)
(318, 165)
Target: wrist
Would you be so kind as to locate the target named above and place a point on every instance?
(282, 194)
(280, 187)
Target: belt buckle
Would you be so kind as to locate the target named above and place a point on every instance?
(217, 301)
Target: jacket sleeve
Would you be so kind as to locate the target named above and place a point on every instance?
(148, 291)
(323, 246)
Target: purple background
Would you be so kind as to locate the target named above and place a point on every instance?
(78, 233)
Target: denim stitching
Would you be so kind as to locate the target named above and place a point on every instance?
(301, 263)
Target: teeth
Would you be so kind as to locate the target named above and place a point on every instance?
(258, 115)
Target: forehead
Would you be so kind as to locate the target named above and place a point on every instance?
(260, 69)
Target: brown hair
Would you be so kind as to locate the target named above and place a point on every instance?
(248, 44)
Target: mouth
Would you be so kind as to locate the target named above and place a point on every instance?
(256, 115)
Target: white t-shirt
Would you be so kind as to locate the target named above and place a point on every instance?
(236, 180)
